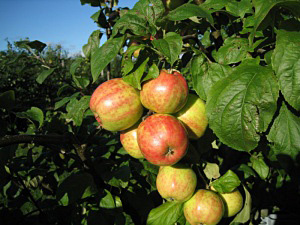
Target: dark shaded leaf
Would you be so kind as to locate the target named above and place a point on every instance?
(34, 113)
(43, 75)
(7, 100)
(75, 187)
(285, 134)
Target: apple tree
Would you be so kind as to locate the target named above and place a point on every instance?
(230, 67)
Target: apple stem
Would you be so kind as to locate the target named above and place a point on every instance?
(149, 113)
(170, 151)
(203, 178)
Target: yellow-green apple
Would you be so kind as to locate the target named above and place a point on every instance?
(204, 207)
(176, 183)
(165, 94)
(233, 202)
(136, 53)
(128, 139)
(193, 116)
(116, 105)
(172, 4)
(162, 139)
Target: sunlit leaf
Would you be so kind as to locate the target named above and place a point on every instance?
(242, 105)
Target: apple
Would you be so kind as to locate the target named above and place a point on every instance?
(165, 94)
(233, 202)
(172, 4)
(136, 53)
(162, 139)
(204, 207)
(129, 142)
(199, 2)
(193, 116)
(176, 183)
(116, 105)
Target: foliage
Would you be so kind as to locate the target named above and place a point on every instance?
(241, 57)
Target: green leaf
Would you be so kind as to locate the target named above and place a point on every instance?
(28, 207)
(247, 170)
(239, 8)
(170, 46)
(7, 100)
(134, 22)
(235, 8)
(75, 187)
(205, 74)
(259, 165)
(211, 171)
(167, 213)
(150, 9)
(284, 134)
(244, 215)
(242, 105)
(233, 50)
(76, 109)
(108, 201)
(134, 78)
(263, 8)
(93, 44)
(268, 57)
(43, 75)
(80, 81)
(226, 183)
(75, 65)
(34, 113)
(286, 64)
(187, 11)
(152, 73)
(215, 4)
(100, 19)
(65, 101)
(105, 54)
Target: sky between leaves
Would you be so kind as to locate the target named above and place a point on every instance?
(64, 22)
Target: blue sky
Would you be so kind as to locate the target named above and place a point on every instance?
(64, 22)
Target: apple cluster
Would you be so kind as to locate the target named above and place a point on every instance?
(162, 136)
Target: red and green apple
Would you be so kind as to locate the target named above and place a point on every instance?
(165, 94)
(193, 116)
(204, 207)
(162, 139)
(176, 183)
(116, 105)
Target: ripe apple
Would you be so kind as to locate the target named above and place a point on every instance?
(193, 116)
(165, 94)
(204, 207)
(162, 139)
(172, 4)
(116, 105)
(233, 202)
(128, 139)
(176, 183)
